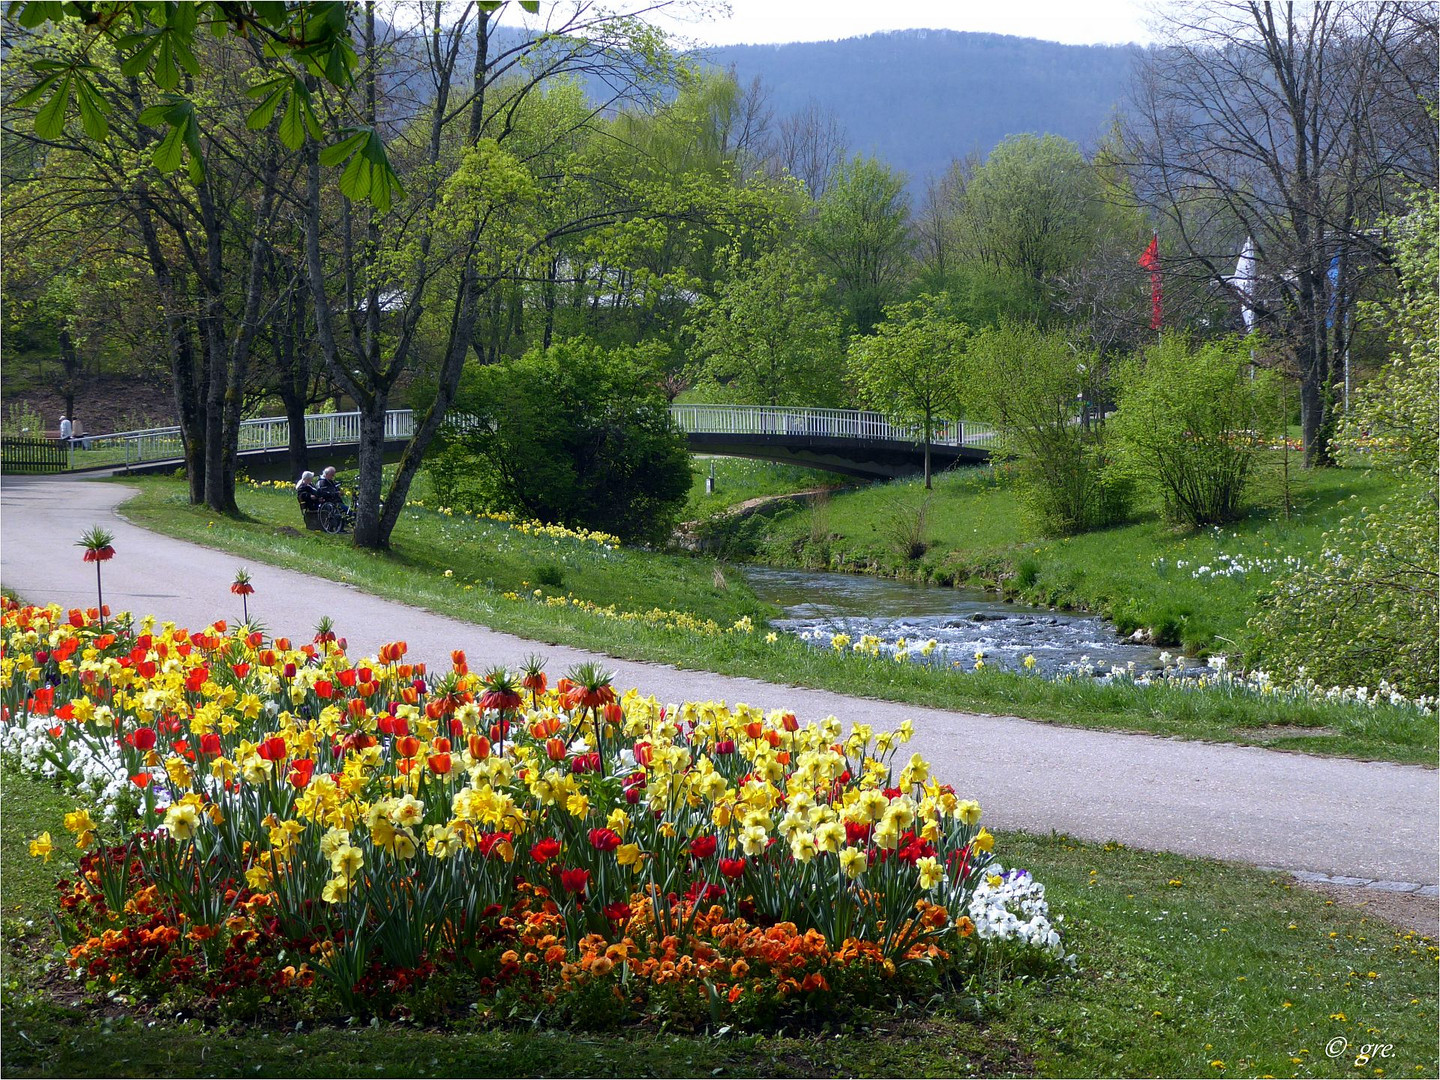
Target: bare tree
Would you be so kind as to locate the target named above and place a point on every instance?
(808, 145)
(1295, 124)
(934, 225)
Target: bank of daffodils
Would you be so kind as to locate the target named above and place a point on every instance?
(267, 817)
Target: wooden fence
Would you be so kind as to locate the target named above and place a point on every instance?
(32, 454)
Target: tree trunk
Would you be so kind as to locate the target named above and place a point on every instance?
(368, 531)
(70, 362)
(299, 448)
(928, 424)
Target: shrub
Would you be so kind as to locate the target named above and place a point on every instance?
(1044, 396)
(1192, 423)
(1367, 611)
(576, 435)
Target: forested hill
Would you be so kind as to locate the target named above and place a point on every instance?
(917, 98)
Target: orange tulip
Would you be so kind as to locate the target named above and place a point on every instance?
(479, 747)
(439, 763)
(407, 746)
(555, 749)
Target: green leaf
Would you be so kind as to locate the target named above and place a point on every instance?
(141, 59)
(262, 114)
(92, 111)
(156, 115)
(167, 75)
(50, 120)
(170, 153)
(35, 93)
(335, 153)
(34, 13)
(292, 127)
(355, 180)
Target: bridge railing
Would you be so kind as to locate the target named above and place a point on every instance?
(825, 423)
(262, 433)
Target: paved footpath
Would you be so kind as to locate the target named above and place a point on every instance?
(1334, 816)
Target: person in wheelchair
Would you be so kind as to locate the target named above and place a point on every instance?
(329, 489)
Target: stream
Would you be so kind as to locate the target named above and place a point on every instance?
(962, 622)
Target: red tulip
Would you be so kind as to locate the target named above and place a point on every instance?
(732, 868)
(272, 749)
(604, 839)
(574, 881)
(545, 850)
(702, 847)
(301, 770)
(210, 744)
(142, 739)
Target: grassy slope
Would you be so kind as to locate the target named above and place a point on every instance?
(975, 529)
(737, 479)
(1181, 963)
(493, 560)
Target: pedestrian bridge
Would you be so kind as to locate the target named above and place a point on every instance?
(849, 441)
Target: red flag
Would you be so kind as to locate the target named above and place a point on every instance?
(1150, 260)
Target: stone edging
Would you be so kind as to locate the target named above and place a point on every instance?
(1356, 882)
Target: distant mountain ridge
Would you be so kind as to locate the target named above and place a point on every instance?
(917, 98)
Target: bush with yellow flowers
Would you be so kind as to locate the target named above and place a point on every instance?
(268, 821)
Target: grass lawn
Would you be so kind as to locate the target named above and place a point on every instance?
(1184, 967)
(495, 571)
(739, 479)
(1145, 574)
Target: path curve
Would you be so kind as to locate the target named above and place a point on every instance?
(1336, 816)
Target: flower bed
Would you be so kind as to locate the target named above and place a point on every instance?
(343, 836)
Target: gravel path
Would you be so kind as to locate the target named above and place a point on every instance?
(1328, 815)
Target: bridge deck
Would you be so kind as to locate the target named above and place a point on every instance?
(850, 441)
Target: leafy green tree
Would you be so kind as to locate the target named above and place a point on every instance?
(161, 46)
(1367, 609)
(1191, 425)
(1042, 394)
(1028, 218)
(770, 337)
(912, 367)
(861, 235)
(575, 434)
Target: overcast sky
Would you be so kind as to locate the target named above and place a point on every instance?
(1075, 22)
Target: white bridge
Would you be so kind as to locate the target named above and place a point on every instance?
(851, 441)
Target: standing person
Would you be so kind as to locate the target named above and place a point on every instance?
(66, 429)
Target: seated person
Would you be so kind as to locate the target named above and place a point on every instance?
(329, 489)
(307, 494)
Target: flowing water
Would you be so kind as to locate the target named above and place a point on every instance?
(962, 622)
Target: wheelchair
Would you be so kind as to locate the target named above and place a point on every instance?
(335, 516)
